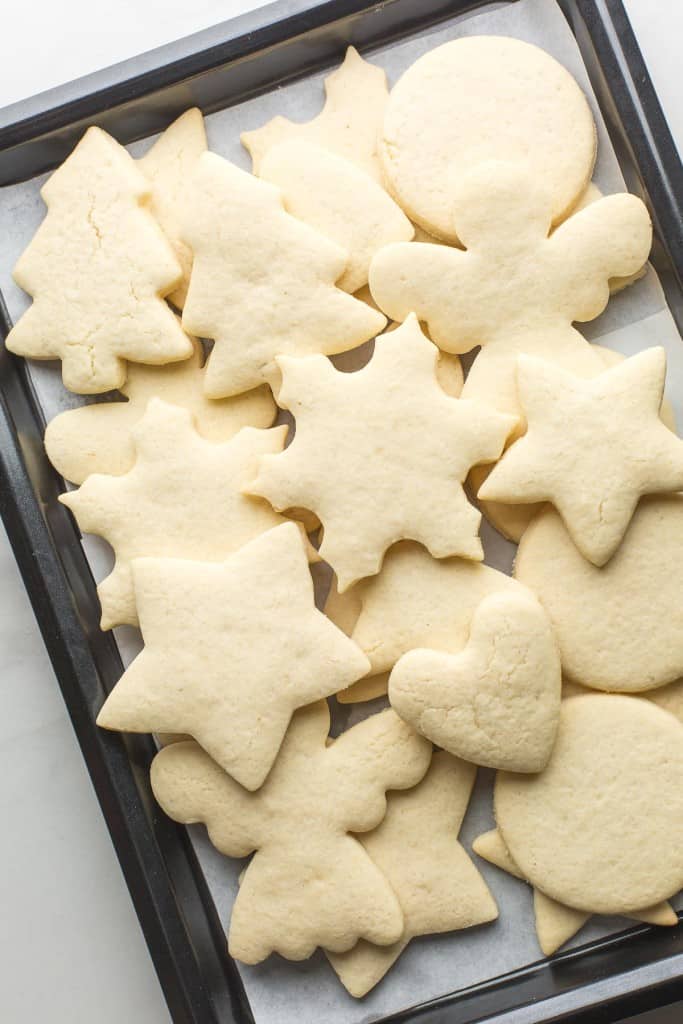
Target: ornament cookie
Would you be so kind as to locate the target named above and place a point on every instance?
(338, 200)
(497, 702)
(169, 166)
(619, 627)
(99, 438)
(600, 830)
(264, 285)
(477, 99)
(382, 478)
(310, 883)
(503, 216)
(355, 99)
(218, 658)
(416, 848)
(182, 498)
(596, 472)
(97, 269)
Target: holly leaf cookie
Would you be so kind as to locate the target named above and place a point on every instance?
(263, 282)
(231, 650)
(310, 883)
(181, 499)
(496, 703)
(98, 438)
(615, 451)
(169, 166)
(396, 468)
(338, 200)
(503, 215)
(98, 268)
(600, 829)
(356, 95)
(416, 848)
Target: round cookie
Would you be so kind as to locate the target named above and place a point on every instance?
(601, 828)
(477, 99)
(512, 520)
(619, 627)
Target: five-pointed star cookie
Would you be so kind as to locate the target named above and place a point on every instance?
(168, 166)
(416, 848)
(593, 447)
(263, 283)
(356, 95)
(98, 438)
(380, 455)
(231, 650)
(181, 499)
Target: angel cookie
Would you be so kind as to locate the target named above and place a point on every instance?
(593, 447)
(310, 883)
(180, 499)
(600, 830)
(416, 848)
(263, 285)
(380, 455)
(98, 268)
(98, 438)
(503, 216)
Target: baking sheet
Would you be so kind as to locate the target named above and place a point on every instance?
(309, 993)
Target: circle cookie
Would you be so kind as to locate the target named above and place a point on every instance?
(477, 99)
(619, 627)
(601, 828)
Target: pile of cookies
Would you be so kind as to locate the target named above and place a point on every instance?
(454, 213)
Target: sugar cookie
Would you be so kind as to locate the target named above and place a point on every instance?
(169, 166)
(264, 285)
(182, 498)
(496, 703)
(97, 269)
(619, 627)
(310, 883)
(98, 438)
(550, 280)
(596, 472)
(338, 200)
(416, 849)
(600, 830)
(400, 485)
(484, 98)
(231, 650)
(355, 99)
(343, 610)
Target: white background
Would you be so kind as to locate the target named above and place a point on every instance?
(71, 950)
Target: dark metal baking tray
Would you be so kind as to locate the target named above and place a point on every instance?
(598, 982)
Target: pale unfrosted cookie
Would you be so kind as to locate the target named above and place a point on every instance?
(98, 438)
(504, 217)
(496, 703)
(310, 883)
(339, 200)
(600, 830)
(512, 520)
(417, 850)
(169, 166)
(381, 478)
(669, 697)
(348, 125)
(619, 627)
(182, 498)
(264, 284)
(595, 472)
(591, 194)
(97, 269)
(231, 650)
(477, 99)
(343, 610)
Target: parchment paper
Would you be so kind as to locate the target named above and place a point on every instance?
(308, 993)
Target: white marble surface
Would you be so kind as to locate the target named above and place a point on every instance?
(70, 946)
